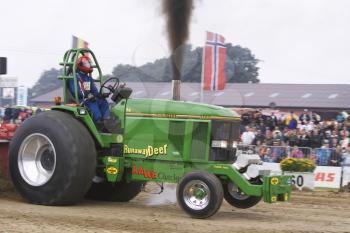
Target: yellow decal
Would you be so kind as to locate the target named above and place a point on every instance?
(119, 138)
(147, 152)
(273, 198)
(220, 167)
(111, 160)
(112, 170)
(274, 181)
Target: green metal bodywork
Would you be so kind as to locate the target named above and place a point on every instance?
(158, 143)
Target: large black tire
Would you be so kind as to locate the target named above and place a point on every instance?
(236, 198)
(69, 155)
(199, 194)
(115, 192)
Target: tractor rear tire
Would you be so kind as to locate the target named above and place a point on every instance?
(200, 194)
(237, 199)
(114, 192)
(52, 159)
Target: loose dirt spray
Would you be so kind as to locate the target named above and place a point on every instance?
(168, 196)
(178, 14)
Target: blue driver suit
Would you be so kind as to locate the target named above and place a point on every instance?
(99, 106)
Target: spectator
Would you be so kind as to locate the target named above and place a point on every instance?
(315, 118)
(291, 121)
(344, 142)
(313, 156)
(322, 155)
(261, 126)
(293, 138)
(263, 151)
(296, 153)
(245, 121)
(316, 139)
(269, 138)
(304, 117)
(248, 136)
(333, 143)
(8, 114)
(259, 137)
(340, 117)
(274, 120)
(270, 156)
(277, 138)
(335, 157)
(304, 140)
(346, 157)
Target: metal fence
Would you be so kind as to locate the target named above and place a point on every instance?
(321, 156)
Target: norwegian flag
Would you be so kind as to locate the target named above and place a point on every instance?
(214, 59)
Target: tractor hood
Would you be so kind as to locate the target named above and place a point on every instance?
(177, 109)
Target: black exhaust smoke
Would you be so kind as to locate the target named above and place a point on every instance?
(178, 14)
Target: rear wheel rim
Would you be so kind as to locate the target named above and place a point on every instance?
(196, 195)
(37, 159)
(235, 192)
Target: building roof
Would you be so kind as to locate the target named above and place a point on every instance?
(331, 96)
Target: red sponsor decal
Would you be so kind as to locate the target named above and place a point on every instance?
(146, 173)
(323, 176)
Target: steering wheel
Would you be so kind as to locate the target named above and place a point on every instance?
(110, 88)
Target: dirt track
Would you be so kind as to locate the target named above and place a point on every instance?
(307, 212)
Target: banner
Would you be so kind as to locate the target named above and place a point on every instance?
(8, 93)
(79, 43)
(324, 176)
(327, 177)
(22, 96)
(8, 81)
(214, 59)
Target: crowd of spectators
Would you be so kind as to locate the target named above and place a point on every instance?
(303, 135)
(16, 114)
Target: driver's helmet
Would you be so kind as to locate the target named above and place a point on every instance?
(84, 64)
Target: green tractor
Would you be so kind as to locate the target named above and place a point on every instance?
(60, 156)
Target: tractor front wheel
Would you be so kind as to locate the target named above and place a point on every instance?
(235, 197)
(52, 159)
(199, 194)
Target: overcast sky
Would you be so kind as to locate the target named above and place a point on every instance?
(299, 41)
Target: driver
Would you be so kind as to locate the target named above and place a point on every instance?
(87, 91)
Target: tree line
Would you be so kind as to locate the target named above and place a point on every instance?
(241, 67)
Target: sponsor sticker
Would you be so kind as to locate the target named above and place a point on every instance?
(149, 151)
(111, 160)
(274, 181)
(112, 170)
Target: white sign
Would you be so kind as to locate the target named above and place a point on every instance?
(327, 177)
(22, 95)
(346, 176)
(302, 179)
(8, 93)
(8, 81)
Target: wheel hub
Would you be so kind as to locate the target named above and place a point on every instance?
(36, 159)
(196, 195)
(236, 192)
(48, 160)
